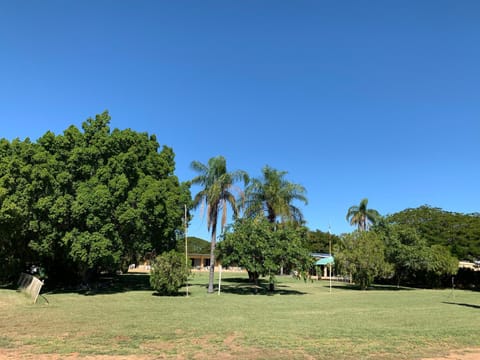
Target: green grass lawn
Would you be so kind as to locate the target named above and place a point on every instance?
(300, 320)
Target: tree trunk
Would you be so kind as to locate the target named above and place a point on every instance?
(255, 281)
(212, 259)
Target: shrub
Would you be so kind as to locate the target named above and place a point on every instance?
(169, 272)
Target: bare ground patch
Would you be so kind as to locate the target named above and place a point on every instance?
(202, 349)
(465, 354)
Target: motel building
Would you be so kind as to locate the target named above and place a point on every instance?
(201, 262)
(198, 262)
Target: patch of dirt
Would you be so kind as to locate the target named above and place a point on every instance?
(10, 354)
(157, 346)
(231, 351)
(465, 354)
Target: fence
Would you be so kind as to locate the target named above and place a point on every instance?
(30, 285)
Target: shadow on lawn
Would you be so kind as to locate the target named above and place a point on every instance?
(8, 286)
(462, 304)
(243, 286)
(109, 285)
(370, 288)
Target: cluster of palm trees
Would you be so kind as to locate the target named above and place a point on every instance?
(271, 196)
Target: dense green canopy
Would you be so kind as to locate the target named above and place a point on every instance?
(263, 249)
(458, 232)
(86, 201)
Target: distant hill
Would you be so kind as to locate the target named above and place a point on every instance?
(195, 245)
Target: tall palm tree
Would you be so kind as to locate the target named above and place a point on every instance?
(361, 216)
(273, 196)
(216, 194)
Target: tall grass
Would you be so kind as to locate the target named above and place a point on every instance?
(299, 320)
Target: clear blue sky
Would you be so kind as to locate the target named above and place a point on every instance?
(376, 99)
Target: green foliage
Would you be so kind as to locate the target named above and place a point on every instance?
(414, 261)
(458, 232)
(441, 261)
(361, 216)
(216, 193)
(169, 273)
(319, 241)
(84, 202)
(273, 196)
(262, 250)
(195, 245)
(361, 254)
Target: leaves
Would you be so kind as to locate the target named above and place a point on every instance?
(87, 201)
(257, 246)
(274, 196)
(361, 216)
(460, 233)
(361, 254)
(169, 272)
(216, 194)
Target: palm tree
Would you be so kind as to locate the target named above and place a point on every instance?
(361, 216)
(217, 184)
(273, 196)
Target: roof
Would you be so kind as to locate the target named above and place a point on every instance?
(325, 261)
(319, 255)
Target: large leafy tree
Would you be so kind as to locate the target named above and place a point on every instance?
(16, 191)
(416, 262)
(406, 251)
(274, 196)
(262, 249)
(361, 216)
(216, 194)
(361, 254)
(88, 200)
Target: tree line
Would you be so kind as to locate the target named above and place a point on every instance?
(94, 200)
(418, 247)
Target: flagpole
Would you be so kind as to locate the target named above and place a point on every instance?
(186, 246)
(330, 254)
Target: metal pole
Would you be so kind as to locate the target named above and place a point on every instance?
(186, 246)
(330, 254)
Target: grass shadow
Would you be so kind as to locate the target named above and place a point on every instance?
(109, 285)
(9, 286)
(177, 295)
(463, 304)
(243, 286)
(370, 288)
(257, 290)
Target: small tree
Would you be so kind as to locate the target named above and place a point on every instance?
(361, 254)
(255, 245)
(169, 273)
